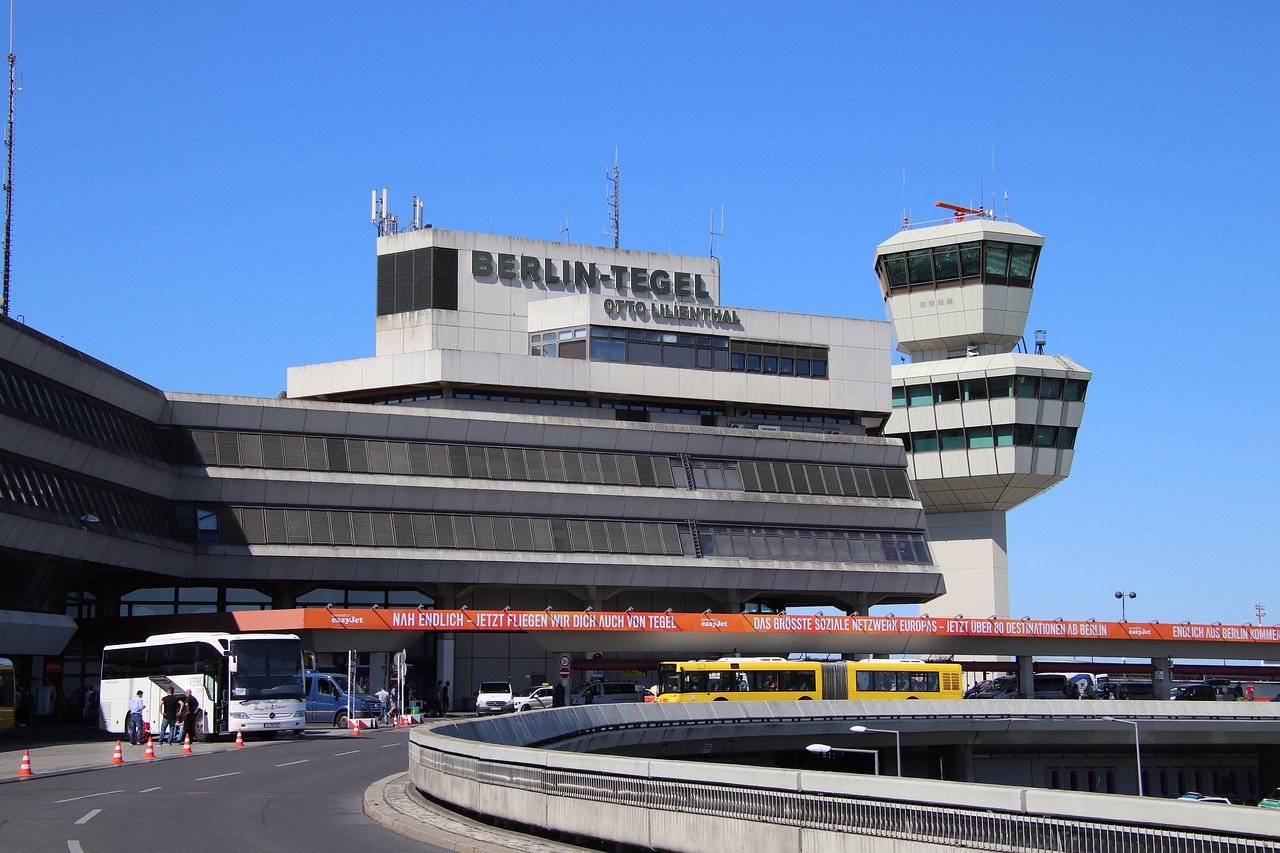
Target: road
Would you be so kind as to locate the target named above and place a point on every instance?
(275, 796)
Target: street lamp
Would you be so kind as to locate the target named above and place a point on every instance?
(897, 737)
(1122, 596)
(1137, 745)
(823, 749)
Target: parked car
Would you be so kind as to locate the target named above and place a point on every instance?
(1197, 797)
(495, 697)
(1045, 687)
(1273, 801)
(330, 697)
(1200, 693)
(542, 697)
(607, 692)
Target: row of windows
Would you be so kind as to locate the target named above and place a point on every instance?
(815, 545)
(317, 453)
(677, 349)
(990, 388)
(39, 401)
(373, 456)
(1000, 435)
(991, 261)
(168, 600)
(23, 484)
(280, 526)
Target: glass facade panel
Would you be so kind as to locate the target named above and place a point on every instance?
(952, 439)
(899, 396)
(896, 269)
(980, 437)
(973, 389)
(1027, 386)
(1000, 386)
(1004, 435)
(919, 395)
(946, 392)
(970, 259)
(920, 265)
(1046, 436)
(1050, 388)
(1021, 264)
(946, 262)
(1067, 438)
(1073, 390)
(923, 442)
(997, 261)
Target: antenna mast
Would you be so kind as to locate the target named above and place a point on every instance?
(564, 229)
(8, 175)
(614, 203)
(714, 232)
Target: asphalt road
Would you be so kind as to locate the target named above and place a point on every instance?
(281, 796)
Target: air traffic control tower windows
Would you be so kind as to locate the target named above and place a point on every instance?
(987, 261)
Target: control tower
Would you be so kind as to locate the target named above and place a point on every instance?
(986, 424)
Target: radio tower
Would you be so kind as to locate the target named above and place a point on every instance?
(614, 213)
(8, 176)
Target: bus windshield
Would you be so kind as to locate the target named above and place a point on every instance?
(267, 669)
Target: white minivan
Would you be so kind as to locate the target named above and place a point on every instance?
(607, 692)
(494, 697)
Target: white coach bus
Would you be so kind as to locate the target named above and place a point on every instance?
(247, 682)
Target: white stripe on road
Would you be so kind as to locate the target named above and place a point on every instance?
(87, 796)
(385, 745)
(219, 776)
(291, 763)
(74, 847)
(349, 752)
(90, 816)
(149, 790)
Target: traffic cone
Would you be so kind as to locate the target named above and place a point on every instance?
(118, 758)
(186, 745)
(302, 734)
(150, 752)
(24, 770)
(239, 738)
(355, 728)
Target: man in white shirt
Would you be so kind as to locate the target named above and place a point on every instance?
(385, 698)
(133, 726)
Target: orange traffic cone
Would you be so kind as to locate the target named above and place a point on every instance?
(118, 758)
(150, 752)
(302, 734)
(24, 770)
(239, 738)
(355, 727)
(186, 745)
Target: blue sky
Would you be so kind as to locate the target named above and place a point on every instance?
(192, 199)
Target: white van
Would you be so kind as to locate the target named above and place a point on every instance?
(607, 692)
(494, 697)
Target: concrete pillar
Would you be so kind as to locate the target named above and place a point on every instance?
(1162, 677)
(1026, 677)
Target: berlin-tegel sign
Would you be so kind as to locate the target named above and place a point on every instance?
(753, 624)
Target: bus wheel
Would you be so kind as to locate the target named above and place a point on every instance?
(340, 721)
(803, 698)
(913, 697)
(200, 735)
(721, 699)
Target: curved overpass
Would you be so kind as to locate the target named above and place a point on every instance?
(658, 776)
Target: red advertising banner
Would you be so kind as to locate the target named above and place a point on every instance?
(739, 623)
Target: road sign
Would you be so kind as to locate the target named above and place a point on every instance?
(564, 661)
(564, 672)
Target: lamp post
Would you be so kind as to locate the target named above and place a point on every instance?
(1137, 745)
(897, 738)
(823, 749)
(1122, 596)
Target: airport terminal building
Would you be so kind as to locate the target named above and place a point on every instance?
(541, 425)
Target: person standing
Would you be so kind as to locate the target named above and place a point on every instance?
(385, 698)
(90, 706)
(170, 709)
(444, 699)
(435, 700)
(133, 726)
(190, 713)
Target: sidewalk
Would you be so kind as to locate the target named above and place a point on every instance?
(54, 750)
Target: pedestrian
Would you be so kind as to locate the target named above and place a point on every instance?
(90, 706)
(170, 709)
(133, 726)
(190, 715)
(444, 699)
(435, 700)
(24, 707)
(385, 698)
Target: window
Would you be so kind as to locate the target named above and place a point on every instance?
(973, 389)
(1000, 386)
(1050, 388)
(923, 442)
(952, 439)
(1027, 386)
(899, 396)
(919, 395)
(980, 437)
(946, 392)
(1073, 390)
(1067, 438)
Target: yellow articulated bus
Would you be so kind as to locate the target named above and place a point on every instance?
(773, 679)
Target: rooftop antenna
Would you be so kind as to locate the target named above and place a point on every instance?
(993, 178)
(8, 175)
(417, 213)
(564, 229)
(714, 232)
(613, 200)
(1006, 205)
(1042, 338)
(904, 196)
